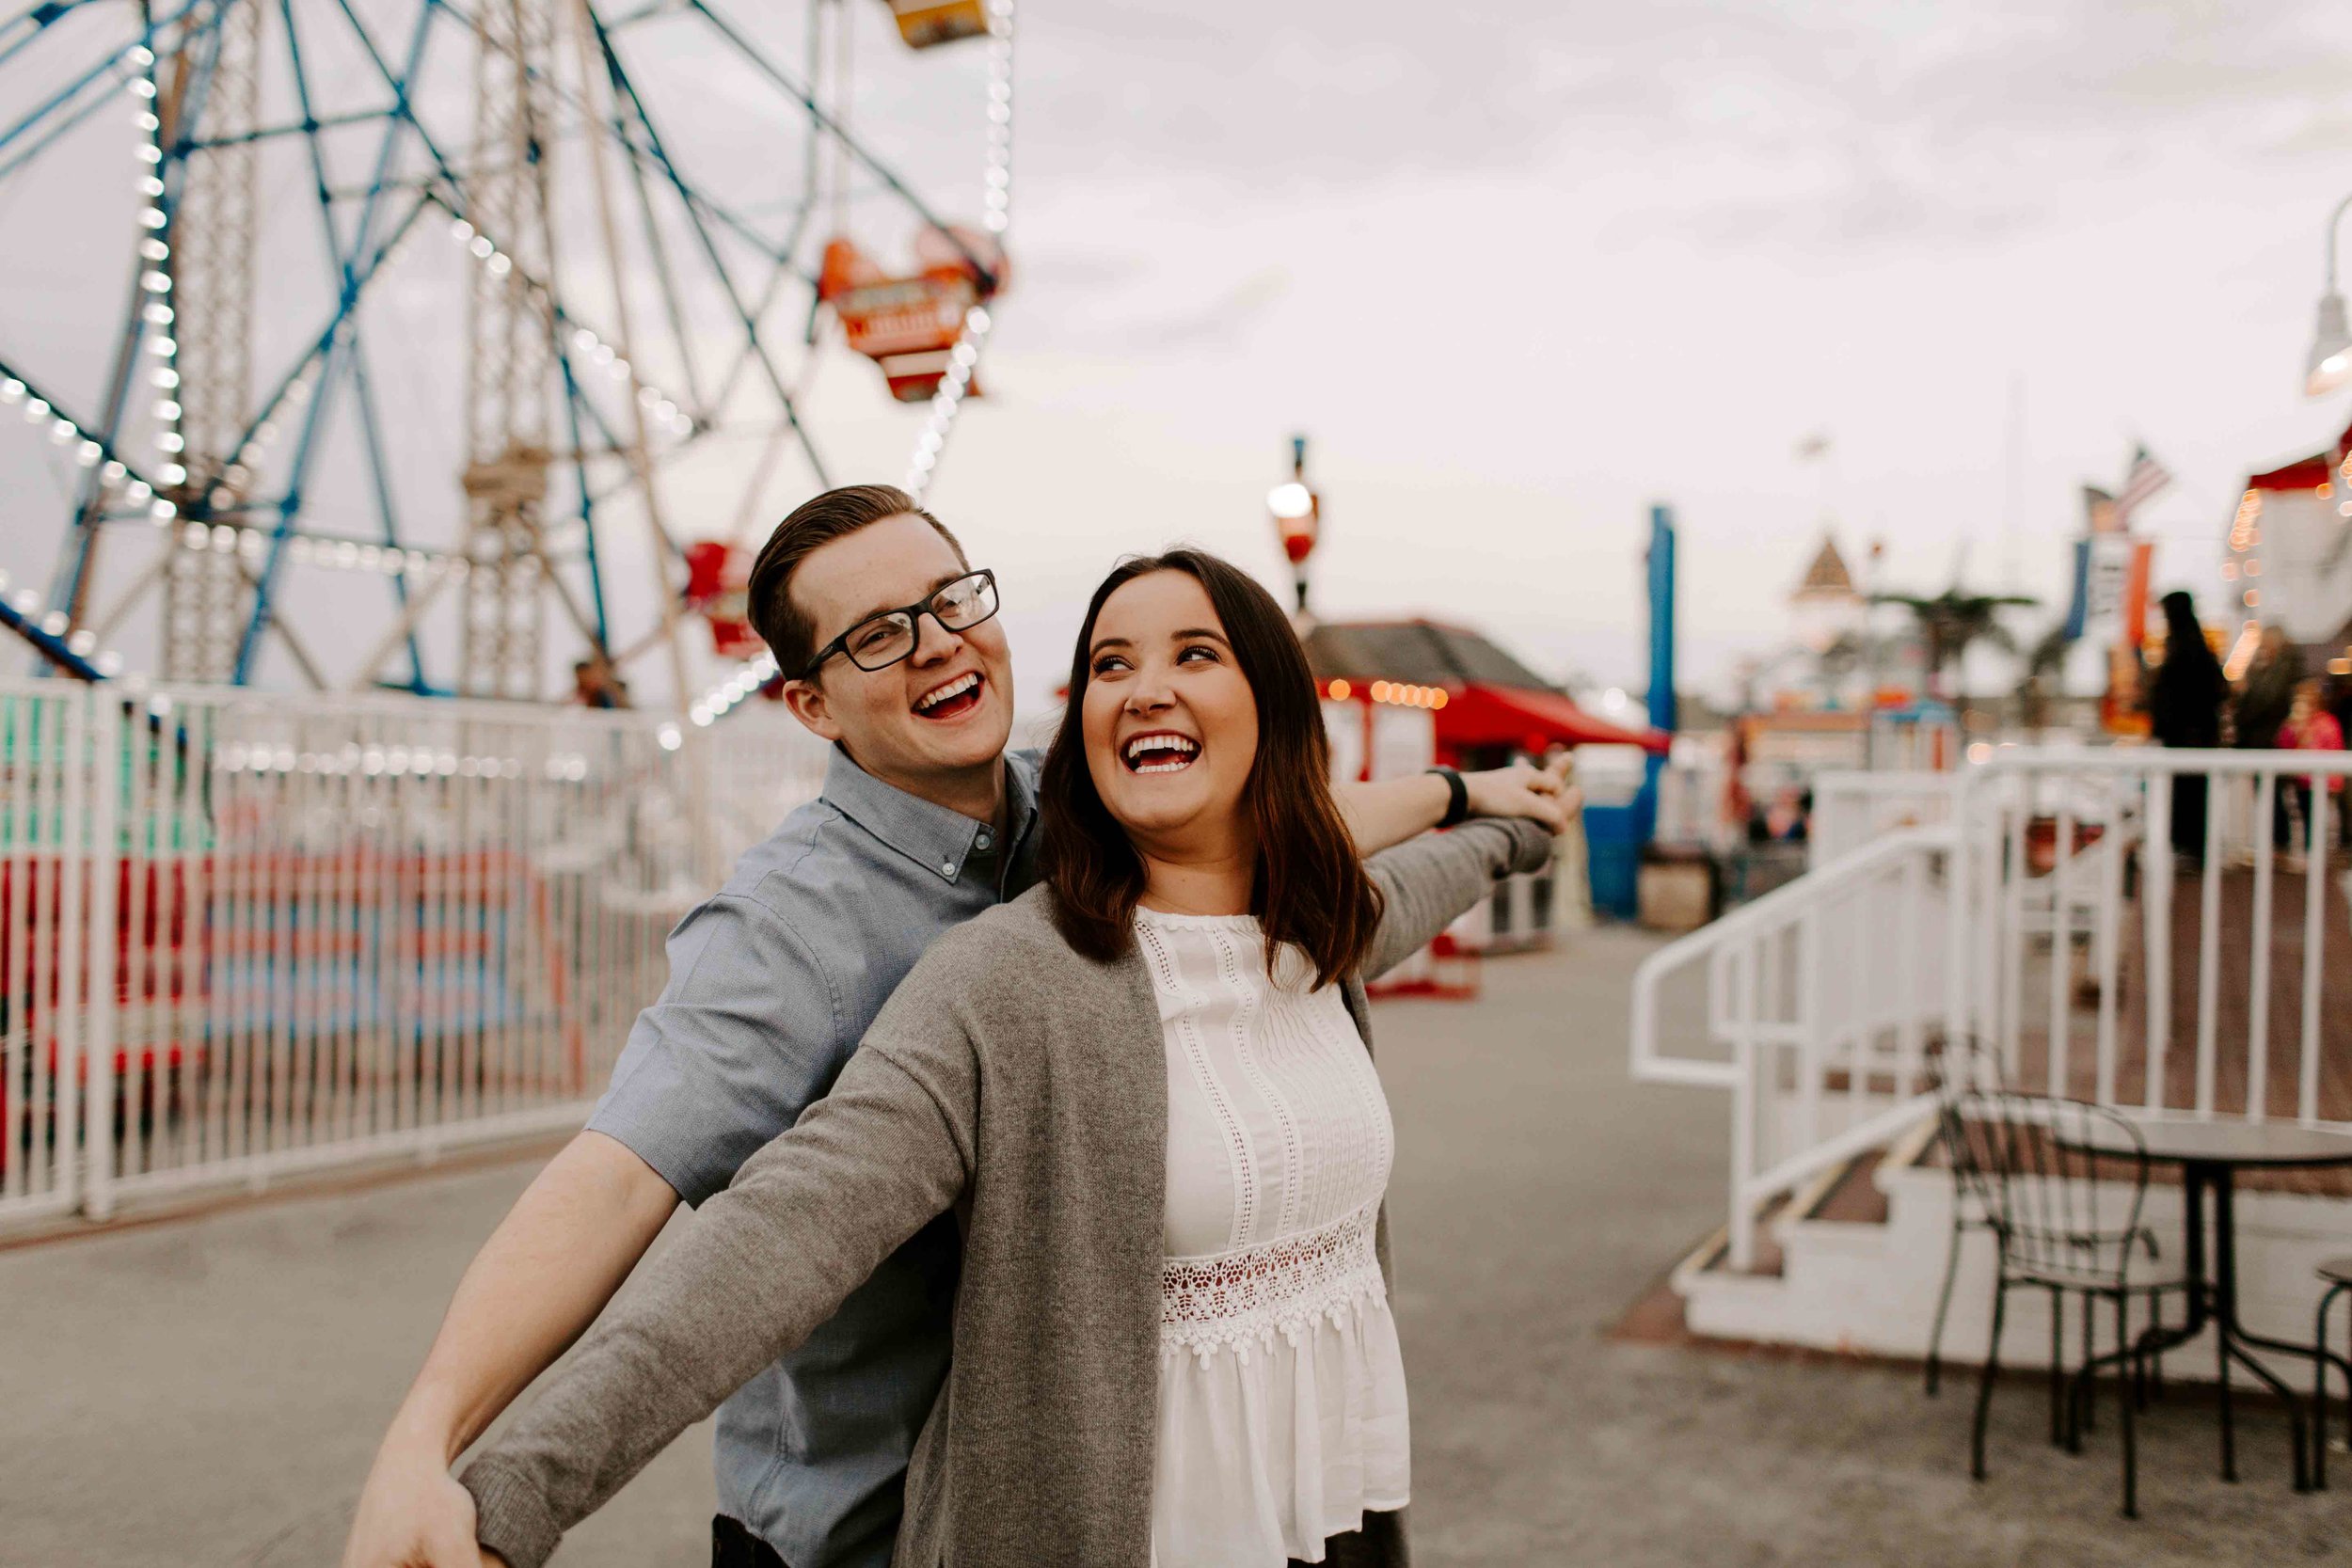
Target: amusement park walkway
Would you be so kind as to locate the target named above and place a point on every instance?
(207, 1391)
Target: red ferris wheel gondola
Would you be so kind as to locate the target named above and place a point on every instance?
(911, 326)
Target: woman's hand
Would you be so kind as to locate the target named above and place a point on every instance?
(1543, 794)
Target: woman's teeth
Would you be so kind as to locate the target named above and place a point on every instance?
(1161, 753)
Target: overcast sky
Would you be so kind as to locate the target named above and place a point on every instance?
(1521, 269)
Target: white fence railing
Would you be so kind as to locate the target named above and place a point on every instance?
(2123, 924)
(1821, 997)
(245, 934)
(2233, 938)
(1851, 808)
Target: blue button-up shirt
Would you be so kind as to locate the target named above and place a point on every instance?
(773, 984)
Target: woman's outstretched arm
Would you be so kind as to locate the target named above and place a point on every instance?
(762, 1265)
(1427, 884)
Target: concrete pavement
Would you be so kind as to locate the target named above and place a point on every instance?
(208, 1391)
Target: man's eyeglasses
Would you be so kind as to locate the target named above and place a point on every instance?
(881, 641)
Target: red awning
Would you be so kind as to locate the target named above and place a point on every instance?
(2306, 474)
(1478, 715)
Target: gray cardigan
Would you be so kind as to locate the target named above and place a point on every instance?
(1023, 1086)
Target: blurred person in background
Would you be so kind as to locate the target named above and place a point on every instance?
(2265, 698)
(2337, 700)
(2184, 703)
(2267, 692)
(2309, 727)
(596, 684)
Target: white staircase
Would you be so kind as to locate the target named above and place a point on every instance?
(1866, 1284)
(1824, 1000)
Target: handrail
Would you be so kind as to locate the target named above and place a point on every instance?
(1829, 1030)
(1776, 908)
(2164, 759)
(1855, 1141)
(1856, 781)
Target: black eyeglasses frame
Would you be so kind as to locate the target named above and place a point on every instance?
(915, 612)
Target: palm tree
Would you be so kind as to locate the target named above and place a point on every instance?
(2044, 662)
(1950, 623)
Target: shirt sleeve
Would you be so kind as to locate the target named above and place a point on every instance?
(743, 1038)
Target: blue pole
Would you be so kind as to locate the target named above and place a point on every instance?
(1662, 663)
(1662, 712)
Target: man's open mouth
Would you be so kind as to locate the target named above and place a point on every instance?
(1161, 753)
(952, 698)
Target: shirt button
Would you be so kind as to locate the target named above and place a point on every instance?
(947, 868)
(983, 840)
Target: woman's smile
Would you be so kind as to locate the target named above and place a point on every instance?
(1159, 751)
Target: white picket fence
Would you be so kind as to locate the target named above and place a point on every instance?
(245, 934)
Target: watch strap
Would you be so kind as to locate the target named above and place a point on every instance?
(1457, 795)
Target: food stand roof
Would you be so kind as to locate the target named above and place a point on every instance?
(1493, 700)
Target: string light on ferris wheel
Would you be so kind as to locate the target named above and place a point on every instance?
(90, 452)
(996, 204)
(499, 263)
(154, 280)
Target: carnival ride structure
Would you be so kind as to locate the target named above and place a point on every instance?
(648, 196)
(441, 313)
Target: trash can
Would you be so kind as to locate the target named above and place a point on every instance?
(1677, 888)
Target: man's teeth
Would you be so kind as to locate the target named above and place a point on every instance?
(956, 687)
(1168, 753)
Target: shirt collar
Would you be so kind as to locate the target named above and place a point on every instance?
(933, 837)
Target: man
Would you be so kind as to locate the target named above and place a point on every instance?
(888, 637)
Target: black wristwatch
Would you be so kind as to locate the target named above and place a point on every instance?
(1457, 801)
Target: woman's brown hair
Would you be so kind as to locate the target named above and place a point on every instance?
(1309, 890)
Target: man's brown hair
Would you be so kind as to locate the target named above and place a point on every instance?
(817, 522)
(1308, 889)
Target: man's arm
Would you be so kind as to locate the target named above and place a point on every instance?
(1382, 815)
(742, 1037)
(535, 1286)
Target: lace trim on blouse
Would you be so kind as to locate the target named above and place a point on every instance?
(1240, 1300)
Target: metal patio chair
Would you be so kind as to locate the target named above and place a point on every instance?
(2337, 1272)
(1977, 1068)
(2068, 1223)
(1949, 1074)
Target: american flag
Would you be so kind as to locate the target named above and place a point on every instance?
(2146, 480)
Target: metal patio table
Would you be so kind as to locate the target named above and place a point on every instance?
(2210, 1153)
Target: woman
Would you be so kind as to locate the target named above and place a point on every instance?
(1144, 1088)
(2184, 710)
(2309, 727)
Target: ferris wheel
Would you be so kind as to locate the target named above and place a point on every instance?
(390, 344)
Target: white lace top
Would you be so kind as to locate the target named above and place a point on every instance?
(1281, 1390)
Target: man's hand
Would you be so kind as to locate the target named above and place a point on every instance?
(1521, 790)
(412, 1512)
